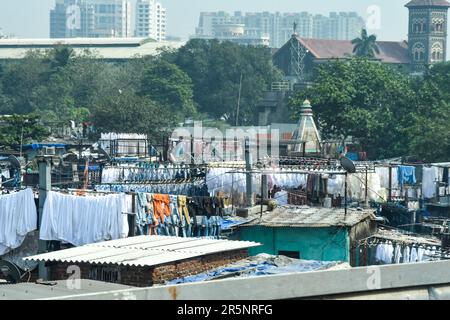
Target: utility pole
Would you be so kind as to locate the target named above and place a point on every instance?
(248, 168)
(239, 101)
(45, 185)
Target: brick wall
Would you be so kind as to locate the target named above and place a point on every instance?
(148, 276)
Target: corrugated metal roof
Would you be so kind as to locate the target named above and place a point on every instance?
(307, 217)
(143, 251)
(111, 51)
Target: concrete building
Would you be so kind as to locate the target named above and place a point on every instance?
(144, 261)
(278, 27)
(237, 33)
(107, 49)
(150, 20)
(426, 45)
(308, 233)
(91, 19)
(427, 34)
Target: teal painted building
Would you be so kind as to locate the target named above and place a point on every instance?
(309, 233)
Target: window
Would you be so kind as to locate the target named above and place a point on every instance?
(290, 254)
(418, 52)
(437, 52)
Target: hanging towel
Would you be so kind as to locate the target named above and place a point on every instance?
(84, 220)
(18, 217)
(430, 176)
(406, 174)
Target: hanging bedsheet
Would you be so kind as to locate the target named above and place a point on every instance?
(18, 217)
(81, 220)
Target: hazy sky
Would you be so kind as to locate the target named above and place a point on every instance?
(30, 18)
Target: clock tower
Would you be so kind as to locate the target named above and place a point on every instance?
(427, 37)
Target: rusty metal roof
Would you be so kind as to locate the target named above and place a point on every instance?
(310, 217)
(390, 51)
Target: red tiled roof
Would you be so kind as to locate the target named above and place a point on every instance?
(390, 51)
(428, 3)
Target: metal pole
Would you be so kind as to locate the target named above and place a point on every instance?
(264, 191)
(366, 195)
(248, 168)
(45, 185)
(390, 184)
(345, 197)
(132, 218)
(21, 142)
(239, 102)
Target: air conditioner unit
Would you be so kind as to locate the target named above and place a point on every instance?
(49, 151)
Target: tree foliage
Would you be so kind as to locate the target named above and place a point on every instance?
(130, 113)
(20, 128)
(216, 69)
(389, 113)
(366, 45)
(167, 85)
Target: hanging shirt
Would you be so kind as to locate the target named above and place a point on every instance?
(406, 174)
(389, 253)
(420, 254)
(398, 254)
(379, 253)
(430, 176)
(406, 255)
(18, 217)
(414, 255)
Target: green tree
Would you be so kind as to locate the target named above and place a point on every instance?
(430, 134)
(128, 112)
(216, 68)
(365, 100)
(15, 129)
(366, 45)
(166, 84)
(20, 80)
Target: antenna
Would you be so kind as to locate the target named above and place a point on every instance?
(349, 167)
(239, 101)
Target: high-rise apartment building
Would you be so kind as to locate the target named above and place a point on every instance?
(279, 27)
(150, 20)
(91, 18)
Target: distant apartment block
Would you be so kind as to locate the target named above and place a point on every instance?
(277, 28)
(150, 20)
(91, 19)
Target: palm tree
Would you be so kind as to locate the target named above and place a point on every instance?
(365, 46)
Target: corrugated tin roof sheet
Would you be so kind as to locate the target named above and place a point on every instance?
(390, 51)
(143, 251)
(310, 217)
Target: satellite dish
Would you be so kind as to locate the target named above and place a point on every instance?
(348, 165)
(14, 161)
(10, 271)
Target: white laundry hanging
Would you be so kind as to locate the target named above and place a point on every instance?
(430, 176)
(84, 220)
(18, 217)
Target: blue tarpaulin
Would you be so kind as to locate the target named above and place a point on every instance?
(91, 168)
(258, 267)
(38, 146)
(227, 224)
